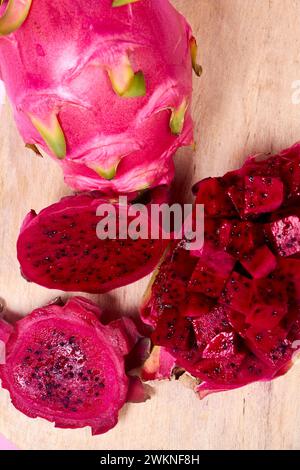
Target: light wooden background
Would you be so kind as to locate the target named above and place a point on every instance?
(250, 50)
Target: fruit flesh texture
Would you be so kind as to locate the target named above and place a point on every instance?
(64, 365)
(248, 332)
(59, 248)
(61, 69)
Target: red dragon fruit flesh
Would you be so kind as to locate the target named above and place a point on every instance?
(102, 86)
(62, 364)
(229, 312)
(60, 249)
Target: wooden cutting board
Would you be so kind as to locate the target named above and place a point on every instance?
(250, 51)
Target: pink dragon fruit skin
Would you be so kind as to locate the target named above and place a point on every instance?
(104, 89)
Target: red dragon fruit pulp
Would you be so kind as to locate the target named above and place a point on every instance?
(62, 364)
(229, 312)
(103, 87)
(60, 249)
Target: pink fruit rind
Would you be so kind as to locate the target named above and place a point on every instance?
(137, 391)
(159, 365)
(59, 248)
(64, 365)
(5, 331)
(236, 320)
(71, 108)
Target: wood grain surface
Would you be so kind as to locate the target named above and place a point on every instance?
(250, 51)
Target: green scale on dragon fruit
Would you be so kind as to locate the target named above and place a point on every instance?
(101, 86)
(229, 313)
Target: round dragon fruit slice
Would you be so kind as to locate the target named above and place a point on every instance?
(229, 312)
(62, 364)
(59, 248)
(114, 109)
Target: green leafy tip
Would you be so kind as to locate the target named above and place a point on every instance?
(52, 134)
(121, 3)
(194, 51)
(14, 15)
(178, 117)
(137, 86)
(125, 82)
(107, 174)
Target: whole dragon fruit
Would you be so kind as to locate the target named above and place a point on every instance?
(60, 248)
(229, 313)
(103, 86)
(62, 364)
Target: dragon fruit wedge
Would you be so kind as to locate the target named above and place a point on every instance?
(103, 86)
(229, 313)
(62, 364)
(60, 248)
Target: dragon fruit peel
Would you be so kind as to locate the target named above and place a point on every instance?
(101, 86)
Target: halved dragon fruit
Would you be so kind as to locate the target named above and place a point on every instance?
(62, 364)
(101, 86)
(59, 248)
(237, 319)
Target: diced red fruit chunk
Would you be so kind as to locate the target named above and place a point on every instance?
(172, 331)
(238, 321)
(251, 369)
(255, 195)
(271, 346)
(212, 255)
(182, 261)
(291, 324)
(237, 195)
(170, 284)
(254, 369)
(264, 301)
(187, 359)
(269, 303)
(197, 305)
(210, 325)
(211, 272)
(284, 234)
(260, 263)
(207, 280)
(173, 292)
(211, 234)
(262, 194)
(237, 294)
(223, 346)
(291, 174)
(262, 165)
(237, 237)
(218, 371)
(288, 272)
(212, 193)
